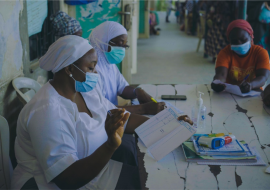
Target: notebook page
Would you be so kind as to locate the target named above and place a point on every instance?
(171, 141)
(234, 89)
(158, 126)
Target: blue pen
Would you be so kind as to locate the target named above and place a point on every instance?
(110, 113)
(244, 80)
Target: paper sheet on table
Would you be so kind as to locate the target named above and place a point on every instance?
(163, 133)
(259, 162)
(234, 89)
(168, 104)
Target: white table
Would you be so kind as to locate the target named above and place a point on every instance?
(246, 118)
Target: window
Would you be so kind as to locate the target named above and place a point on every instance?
(40, 42)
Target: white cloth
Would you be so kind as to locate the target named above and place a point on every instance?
(112, 82)
(64, 52)
(52, 135)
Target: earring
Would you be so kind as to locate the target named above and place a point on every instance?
(70, 75)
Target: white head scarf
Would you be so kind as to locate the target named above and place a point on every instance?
(64, 52)
(112, 82)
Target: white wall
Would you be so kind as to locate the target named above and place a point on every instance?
(11, 51)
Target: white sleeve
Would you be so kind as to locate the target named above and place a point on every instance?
(53, 136)
(121, 81)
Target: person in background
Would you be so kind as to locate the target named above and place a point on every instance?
(219, 15)
(202, 5)
(264, 18)
(193, 15)
(241, 59)
(254, 10)
(266, 96)
(110, 42)
(64, 25)
(169, 9)
(153, 23)
(156, 22)
(177, 11)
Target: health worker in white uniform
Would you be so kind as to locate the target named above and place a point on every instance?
(65, 136)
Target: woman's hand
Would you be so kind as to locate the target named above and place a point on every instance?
(152, 108)
(185, 118)
(245, 87)
(218, 87)
(114, 127)
(142, 96)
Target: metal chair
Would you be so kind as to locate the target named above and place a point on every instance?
(5, 164)
(25, 83)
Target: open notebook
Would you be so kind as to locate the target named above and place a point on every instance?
(234, 89)
(162, 133)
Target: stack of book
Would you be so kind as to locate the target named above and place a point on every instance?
(234, 152)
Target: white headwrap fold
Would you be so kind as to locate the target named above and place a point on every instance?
(64, 52)
(112, 82)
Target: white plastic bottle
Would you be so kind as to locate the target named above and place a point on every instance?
(198, 113)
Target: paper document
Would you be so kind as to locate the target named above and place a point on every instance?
(234, 89)
(162, 133)
(168, 104)
(37, 12)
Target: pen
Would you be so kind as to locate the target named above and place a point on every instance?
(244, 80)
(110, 113)
(153, 100)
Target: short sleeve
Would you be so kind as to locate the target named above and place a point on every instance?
(262, 59)
(121, 81)
(53, 136)
(223, 59)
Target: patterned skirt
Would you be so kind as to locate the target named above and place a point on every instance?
(216, 40)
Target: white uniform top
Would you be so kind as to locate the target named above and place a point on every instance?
(52, 135)
(112, 82)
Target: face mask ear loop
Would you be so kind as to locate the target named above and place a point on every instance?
(97, 40)
(79, 69)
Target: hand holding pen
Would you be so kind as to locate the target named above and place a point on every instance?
(114, 126)
(245, 86)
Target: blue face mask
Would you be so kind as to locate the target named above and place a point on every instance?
(116, 55)
(89, 84)
(241, 49)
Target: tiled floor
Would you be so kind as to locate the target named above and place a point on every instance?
(171, 58)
